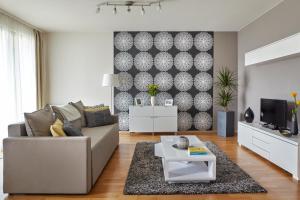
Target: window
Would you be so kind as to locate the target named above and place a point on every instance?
(17, 72)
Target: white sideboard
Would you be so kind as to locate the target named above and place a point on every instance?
(270, 144)
(284, 48)
(153, 119)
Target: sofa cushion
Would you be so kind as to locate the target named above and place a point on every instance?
(100, 106)
(68, 113)
(80, 107)
(98, 117)
(38, 123)
(57, 129)
(104, 140)
(71, 130)
(97, 133)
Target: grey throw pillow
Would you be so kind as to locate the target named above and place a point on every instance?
(98, 118)
(68, 113)
(71, 130)
(38, 123)
(80, 107)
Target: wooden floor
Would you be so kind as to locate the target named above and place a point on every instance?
(279, 183)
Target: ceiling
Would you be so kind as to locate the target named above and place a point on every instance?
(176, 15)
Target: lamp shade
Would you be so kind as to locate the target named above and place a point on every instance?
(110, 80)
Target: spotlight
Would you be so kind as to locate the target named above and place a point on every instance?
(98, 10)
(128, 9)
(115, 10)
(159, 7)
(143, 11)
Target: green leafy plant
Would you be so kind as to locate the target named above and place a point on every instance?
(226, 83)
(152, 89)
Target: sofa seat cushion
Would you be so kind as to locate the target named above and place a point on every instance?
(98, 133)
(104, 140)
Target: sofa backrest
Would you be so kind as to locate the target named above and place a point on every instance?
(17, 130)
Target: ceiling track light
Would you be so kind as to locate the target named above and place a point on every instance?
(115, 10)
(129, 4)
(143, 10)
(98, 9)
(159, 7)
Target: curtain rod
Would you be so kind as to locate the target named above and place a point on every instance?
(19, 20)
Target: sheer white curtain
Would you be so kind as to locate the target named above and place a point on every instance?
(17, 72)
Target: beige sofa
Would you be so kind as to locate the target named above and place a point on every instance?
(56, 165)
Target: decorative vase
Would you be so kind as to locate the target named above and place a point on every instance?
(294, 125)
(152, 100)
(249, 115)
(183, 142)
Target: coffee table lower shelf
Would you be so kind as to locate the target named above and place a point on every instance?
(183, 171)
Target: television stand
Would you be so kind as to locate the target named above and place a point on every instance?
(271, 145)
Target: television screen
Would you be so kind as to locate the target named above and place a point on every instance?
(274, 112)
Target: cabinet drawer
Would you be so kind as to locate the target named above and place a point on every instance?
(261, 152)
(165, 124)
(140, 124)
(165, 111)
(285, 155)
(140, 111)
(258, 142)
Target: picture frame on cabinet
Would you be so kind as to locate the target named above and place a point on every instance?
(169, 102)
(138, 102)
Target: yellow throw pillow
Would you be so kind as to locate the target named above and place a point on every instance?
(57, 129)
(96, 108)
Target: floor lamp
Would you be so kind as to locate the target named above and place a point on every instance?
(110, 80)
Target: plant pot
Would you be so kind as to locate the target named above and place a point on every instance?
(226, 123)
(294, 125)
(152, 100)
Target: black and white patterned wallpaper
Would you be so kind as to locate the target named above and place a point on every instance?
(181, 63)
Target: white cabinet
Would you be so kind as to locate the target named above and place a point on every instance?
(284, 48)
(153, 119)
(270, 144)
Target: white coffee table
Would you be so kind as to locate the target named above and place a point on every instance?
(180, 167)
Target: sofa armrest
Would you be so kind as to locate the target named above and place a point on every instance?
(47, 165)
(115, 118)
(17, 130)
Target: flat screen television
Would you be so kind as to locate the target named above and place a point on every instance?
(274, 112)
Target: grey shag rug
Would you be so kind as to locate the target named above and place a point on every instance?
(145, 176)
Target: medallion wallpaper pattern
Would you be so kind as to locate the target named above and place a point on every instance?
(181, 63)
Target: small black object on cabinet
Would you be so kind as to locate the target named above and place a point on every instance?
(249, 115)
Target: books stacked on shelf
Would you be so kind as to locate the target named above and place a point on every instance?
(196, 151)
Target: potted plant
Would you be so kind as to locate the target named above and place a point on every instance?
(226, 85)
(294, 125)
(152, 91)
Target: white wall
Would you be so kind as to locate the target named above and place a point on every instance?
(76, 63)
(274, 79)
(225, 55)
